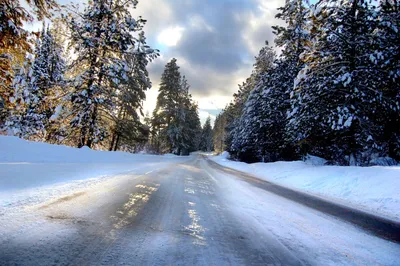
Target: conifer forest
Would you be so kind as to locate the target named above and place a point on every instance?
(327, 86)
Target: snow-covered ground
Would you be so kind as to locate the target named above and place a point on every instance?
(372, 189)
(62, 205)
(32, 172)
(179, 211)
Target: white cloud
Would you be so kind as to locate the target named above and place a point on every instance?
(204, 115)
(270, 5)
(214, 102)
(156, 20)
(259, 24)
(170, 36)
(198, 22)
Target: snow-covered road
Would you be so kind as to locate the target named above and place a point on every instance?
(183, 213)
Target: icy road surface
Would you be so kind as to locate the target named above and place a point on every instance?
(184, 213)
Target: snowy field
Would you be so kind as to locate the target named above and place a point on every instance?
(372, 189)
(32, 172)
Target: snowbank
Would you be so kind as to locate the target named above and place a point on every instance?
(373, 189)
(16, 150)
(27, 167)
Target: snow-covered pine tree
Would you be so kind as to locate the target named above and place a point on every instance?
(129, 130)
(249, 139)
(337, 96)
(259, 134)
(386, 57)
(12, 36)
(26, 119)
(206, 141)
(14, 39)
(246, 141)
(192, 126)
(16, 124)
(293, 37)
(175, 124)
(55, 86)
(56, 62)
(178, 137)
(165, 129)
(294, 40)
(101, 37)
(234, 110)
(187, 120)
(220, 132)
(47, 76)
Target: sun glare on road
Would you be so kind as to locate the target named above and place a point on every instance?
(135, 202)
(194, 228)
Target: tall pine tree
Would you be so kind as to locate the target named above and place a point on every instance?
(175, 125)
(102, 38)
(166, 109)
(337, 97)
(206, 143)
(259, 135)
(36, 94)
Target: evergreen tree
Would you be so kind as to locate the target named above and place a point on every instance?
(103, 39)
(234, 111)
(178, 137)
(14, 39)
(294, 37)
(259, 134)
(206, 141)
(16, 124)
(188, 121)
(249, 139)
(165, 128)
(128, 129)
(175, 124)
(337, 97)
(193, 127)
(219, 131)
(47, 76)
(386, 57)
(40, 81)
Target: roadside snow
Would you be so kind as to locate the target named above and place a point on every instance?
(16, 150)
(314, 237)
(31, 172)
(372, 189)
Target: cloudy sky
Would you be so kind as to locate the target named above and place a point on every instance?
(214, 41)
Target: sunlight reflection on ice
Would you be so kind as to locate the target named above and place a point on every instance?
(195, 229)
(189, 190)
(130, 209)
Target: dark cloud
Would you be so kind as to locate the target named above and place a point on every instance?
(218, 45)
(209, 49)
(208, 82)
(219, 39)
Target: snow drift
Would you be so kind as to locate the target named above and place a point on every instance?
(372, 189)
(34, 171)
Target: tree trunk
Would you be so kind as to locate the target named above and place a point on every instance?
(115, 134)
(112, 141)
(117, 143)
(91, 127)
(82, 138)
